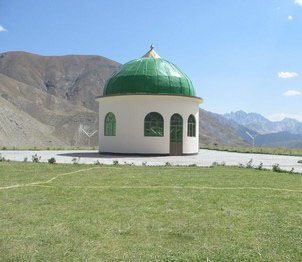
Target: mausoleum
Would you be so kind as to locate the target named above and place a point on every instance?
(149, 106)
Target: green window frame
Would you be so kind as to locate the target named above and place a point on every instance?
(191, 126)
(110, 125)
(176, 128)
(154, 124)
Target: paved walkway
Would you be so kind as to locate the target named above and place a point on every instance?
(204, 158)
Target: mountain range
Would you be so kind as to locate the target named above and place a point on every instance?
(286, 133)
(262, 125)
(46, 101)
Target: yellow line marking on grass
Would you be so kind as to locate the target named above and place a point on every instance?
(174, 187)
(52, 179)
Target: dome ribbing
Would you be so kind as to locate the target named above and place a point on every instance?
(149, 75)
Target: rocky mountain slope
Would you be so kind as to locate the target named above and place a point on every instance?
(215, 129)
(46, 100)
(19, 128)
(262, 125)
(286, 133)
(75, 78)
(280, 139)
(57, 93)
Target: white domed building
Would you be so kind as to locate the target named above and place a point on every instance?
(149, 107)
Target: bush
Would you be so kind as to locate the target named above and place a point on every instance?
(35, 158)
(52, 160)
(25, 159)
(260, 167)
(215, 164)
(300, 162)
(222, 164)
(75, 160)
(276, 168)
(2, 159)
(249, 164)
(115, 162)
(168, 164)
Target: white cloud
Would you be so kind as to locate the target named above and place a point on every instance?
(2, 29)
(292, 92)
(290, 17)
(298, 2)
(287, 74)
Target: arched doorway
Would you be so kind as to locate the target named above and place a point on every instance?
(176, 130)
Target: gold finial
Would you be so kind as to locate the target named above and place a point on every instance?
(151, 53)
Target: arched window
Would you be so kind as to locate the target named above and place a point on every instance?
(191, 126)
(176, 128)
(154, 124)
(110, 125)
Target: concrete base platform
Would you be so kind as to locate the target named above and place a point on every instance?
(204, 158)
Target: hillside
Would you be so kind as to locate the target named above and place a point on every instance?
(286, 133)
(215, 129)
(280, 139)
(75, 78)
(56, 93)
(19, 128)
(263, 125)
(46, 100)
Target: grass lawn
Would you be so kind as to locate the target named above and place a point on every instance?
(108, 213)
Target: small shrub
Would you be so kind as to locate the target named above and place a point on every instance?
(2, 159)
(292, 170)
(260, 167)
(249, 164)
(75, 160)
(35, 158)
(192, 165)
(215, 164)
(276, 168)
(168, 164)
(3, 148)
(25, 159)
(144, 163)
(115, 162)
(51, 160)
(299, 161)
(220, 164)
(97, 162)
(241, 165)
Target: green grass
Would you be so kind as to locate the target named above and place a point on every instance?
(109, 213)
(258, 150)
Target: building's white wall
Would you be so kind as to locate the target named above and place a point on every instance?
(130, 112)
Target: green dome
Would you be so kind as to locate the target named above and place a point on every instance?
(149, 75)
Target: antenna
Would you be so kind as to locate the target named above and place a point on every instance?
(252, 137)
(89, 135)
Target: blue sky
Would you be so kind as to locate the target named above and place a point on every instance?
(240, 54)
